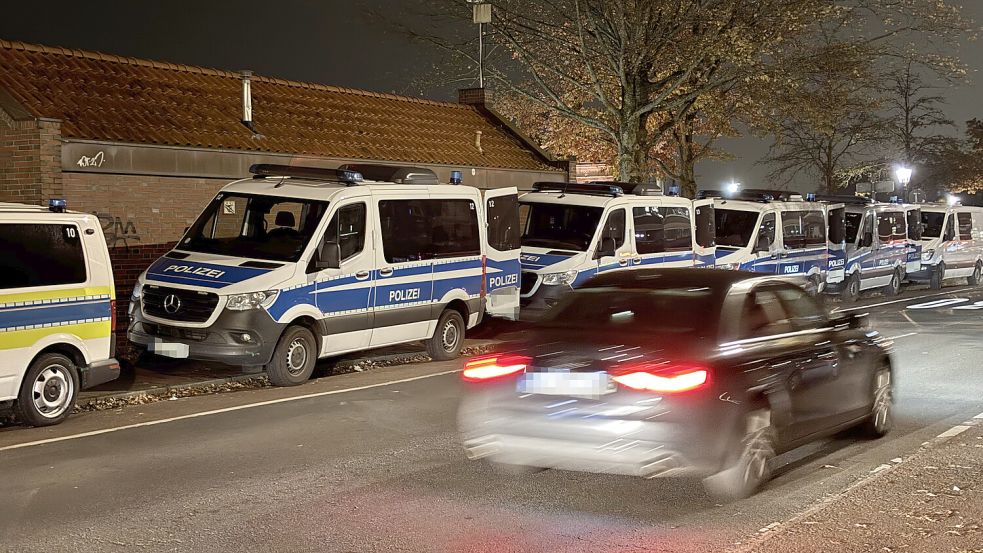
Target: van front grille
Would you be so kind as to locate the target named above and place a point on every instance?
(528, 282)
(175, 304)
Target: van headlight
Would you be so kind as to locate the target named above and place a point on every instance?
(927, 255)
(137, 291)
(728, 266)
(252, 300)
(555, 279)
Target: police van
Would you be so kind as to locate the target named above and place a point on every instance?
(877, 246)
(299, 263)
(57, 310)
(780, 233)
(573, 231)
(952, 244)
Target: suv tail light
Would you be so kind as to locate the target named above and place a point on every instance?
(112, 310)
(666, 379)
(484, 275)
(490, 367)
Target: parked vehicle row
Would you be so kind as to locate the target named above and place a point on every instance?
(300, 263)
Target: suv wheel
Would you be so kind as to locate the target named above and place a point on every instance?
(448, 337)
(294, 357)
(47, 395)
(974, 279)
(751, 466)
(882, 402)
(938, 275)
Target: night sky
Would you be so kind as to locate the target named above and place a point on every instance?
(334, 42)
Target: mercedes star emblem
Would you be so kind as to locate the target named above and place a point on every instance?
(172, 303)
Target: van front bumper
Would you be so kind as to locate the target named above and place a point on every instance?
(238, 338)
(545, 297)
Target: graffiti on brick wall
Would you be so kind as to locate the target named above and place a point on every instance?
(118, 229)
(93, 161)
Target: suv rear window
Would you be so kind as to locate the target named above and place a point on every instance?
(40, 255)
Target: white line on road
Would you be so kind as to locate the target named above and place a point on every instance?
(980, 416)
(914, 298)
(954, 431)
(223, 410)
(901, 336)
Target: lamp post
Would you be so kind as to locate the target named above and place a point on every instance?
(732, 188)
(903, 174)
(482, 14)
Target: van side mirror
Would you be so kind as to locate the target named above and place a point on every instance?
(328, 256)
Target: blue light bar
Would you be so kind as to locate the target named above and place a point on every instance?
(811, 197)
(57, 205)
(345, 175)
(456, 177)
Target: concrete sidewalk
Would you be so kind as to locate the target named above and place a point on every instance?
(157, 376)
(929, 502)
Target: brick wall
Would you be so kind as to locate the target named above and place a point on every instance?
(128, 263)
(30, 161)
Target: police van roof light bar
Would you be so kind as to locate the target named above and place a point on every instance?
(57, 205)
(844, 199)
(596, 189)
(264, 170)
(393, 173)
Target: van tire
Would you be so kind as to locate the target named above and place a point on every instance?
(294, 357)
(974, 279)
(851, 288)
(937, 276)
(893, 288)
(48, 392)
(448, 337)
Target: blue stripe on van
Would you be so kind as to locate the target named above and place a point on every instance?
(13, 317)
(173, 271)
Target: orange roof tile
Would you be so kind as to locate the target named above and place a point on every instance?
(107, 97)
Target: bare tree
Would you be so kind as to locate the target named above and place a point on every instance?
(914, 107)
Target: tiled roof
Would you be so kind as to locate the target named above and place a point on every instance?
(114, 98)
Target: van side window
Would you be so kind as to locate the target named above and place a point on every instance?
(915, 224)
(965, 225)
(662, 229)
(40, 255)
(347, 228)
(766, 233)
(503, 223)
(890, 226)
(950, 227)
(414, 230)
(705, 223)
(803, 228)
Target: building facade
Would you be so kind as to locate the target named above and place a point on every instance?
(144, 145)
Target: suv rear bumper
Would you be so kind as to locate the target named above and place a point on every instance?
(99, 372)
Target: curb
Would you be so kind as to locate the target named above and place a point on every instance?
(752, 543)
(349, 364)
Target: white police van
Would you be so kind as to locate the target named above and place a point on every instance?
(57, 310)
(573, 231)
(877, 246)
(952, 244)
(777, 232)
(298, 263)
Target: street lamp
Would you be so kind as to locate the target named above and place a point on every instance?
(732, 188)
(903, 174)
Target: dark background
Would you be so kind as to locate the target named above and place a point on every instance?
(334, 42)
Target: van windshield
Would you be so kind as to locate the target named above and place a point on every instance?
(559, 226)
(932, 222)
(255, 227)
(734, 227)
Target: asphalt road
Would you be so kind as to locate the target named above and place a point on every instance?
(351, 463)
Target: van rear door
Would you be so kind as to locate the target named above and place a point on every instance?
(502, 253)
(704, 246)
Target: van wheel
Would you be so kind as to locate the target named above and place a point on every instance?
(448, 337)
(893, 288)
(851, 290)
(938, 275)
(294, 358)
(974, 279)
(48, 392)
(750, 467)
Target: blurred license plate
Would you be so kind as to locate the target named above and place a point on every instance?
(566, 384)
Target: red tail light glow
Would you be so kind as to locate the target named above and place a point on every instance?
(664, 379)
(484, 274)
(490, 367)
(112, 310)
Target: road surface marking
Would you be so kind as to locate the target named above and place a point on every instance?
(980, 416)
(223, 410)
(954, 431)
(915, 298)
(902, 336)
(946, 302)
